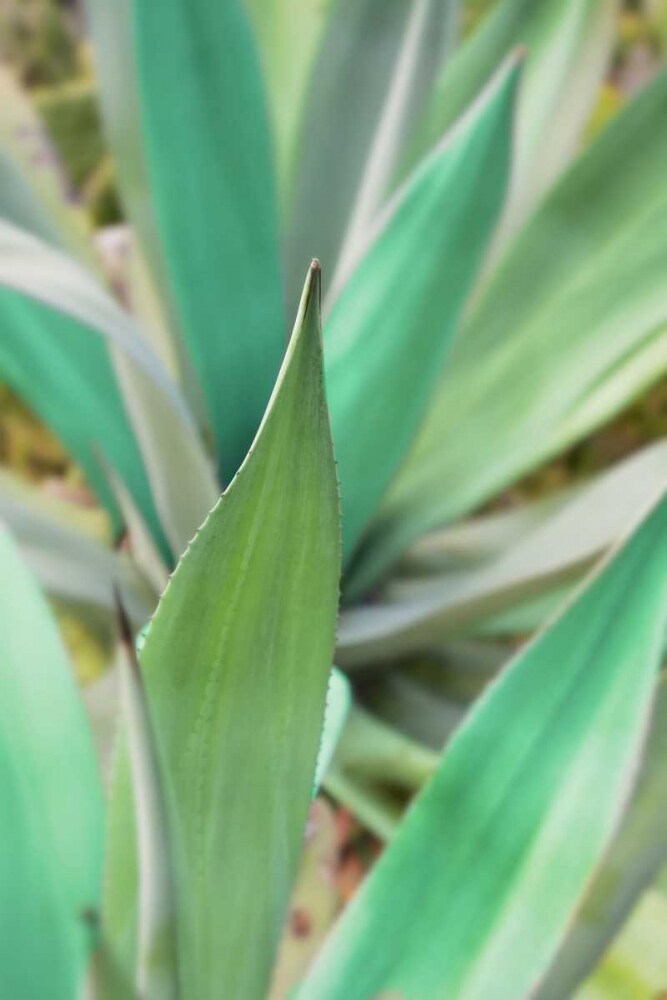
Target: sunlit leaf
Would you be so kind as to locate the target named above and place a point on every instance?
(50, 800)
(475, 892)
(236, 666)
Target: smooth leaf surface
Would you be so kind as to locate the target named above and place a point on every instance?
(390, 328)
(208, 160)
(164, 433)
(570, 329)
(516, 803)
(287, 34)
(552, 552)
(632, 865)
(68, 564)
(236, 666)
(50, 799)
(377, 61)
(568, 47)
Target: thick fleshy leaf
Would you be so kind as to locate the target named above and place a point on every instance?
(552, 552)
(572, 327)
(377, 61)
(164, 431)
(534, 783)
(637, 854)
(207, 155)
(390, 327)
(50, 800)
(568, 48)
(236, 665)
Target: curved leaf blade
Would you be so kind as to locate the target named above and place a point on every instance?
(533, 783)
(50, 799)
(376, 62)
(236, 666)
(209, 166)
(391, 325)
(571, 328)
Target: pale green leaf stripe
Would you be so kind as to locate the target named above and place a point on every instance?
(152, 402)
(236, 665)
(515, 804)
(349, 94)
(67, 564)
(572, 326)
(116, 73)
(287, 34)
(557, 550)
(50, 801)
(637, 854)
(208, 158)
(568, 46)
(390, 327)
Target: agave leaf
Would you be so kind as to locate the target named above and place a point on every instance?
(287, 34)
(376, 63)
(518, 802)
(116, 71)
(572, 326)
(67, 564)
(166, 437)
(391, 325)
(33, 190)
(568, 48)
(156, 972)
(50, 798)
(637, 854)
(556, 551)
(236, 665)
(207, 156)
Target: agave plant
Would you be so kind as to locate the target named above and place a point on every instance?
(490, 298)
(215, 762)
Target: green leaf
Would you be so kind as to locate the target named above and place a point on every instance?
(50, 799)
(572, 326)
(391, 325)
(164, 430)
(568, 49)
(556, 551)
(67, 564)
(534, 783)
(377, 61)
(236, 665)
(637, 854)
(287, 34)
(208, 162)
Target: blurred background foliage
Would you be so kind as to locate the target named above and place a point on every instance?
(44, 43)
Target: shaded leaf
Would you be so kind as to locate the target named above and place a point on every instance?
(376, 63)
(207, 157)
(390, 327)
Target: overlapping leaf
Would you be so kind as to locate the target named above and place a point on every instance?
(572, 326)
(377, 61)
(50, 800)
(206, 154)
(236, 666)
(515, 803)
(391, 325)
